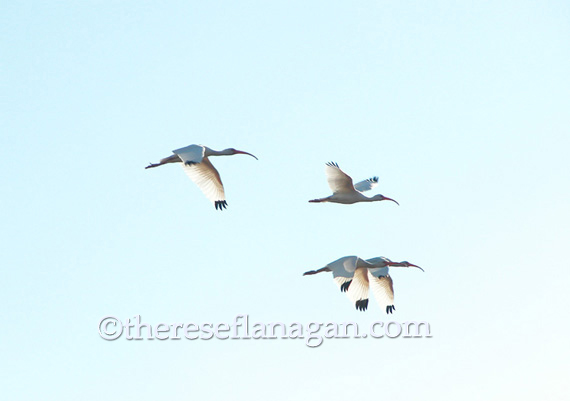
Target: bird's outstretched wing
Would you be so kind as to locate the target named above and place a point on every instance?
(205, 175)
(191, 153)
(366, 185)
(343, 270)
(343, 283)
(338, 180)
(358, 290)
(383, 290)
(377, 260)
(344, 267)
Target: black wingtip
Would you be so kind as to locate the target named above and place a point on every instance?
(220, 205)
(332, 164)
(345, 285)
(390, 309)
(362, 304)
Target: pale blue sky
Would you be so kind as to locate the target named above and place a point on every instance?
(461, 109)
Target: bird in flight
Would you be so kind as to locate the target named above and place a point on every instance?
(356, 276)
(343, 189)
(194, 159)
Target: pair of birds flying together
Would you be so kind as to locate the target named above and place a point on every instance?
(196, 163)
(354, 275)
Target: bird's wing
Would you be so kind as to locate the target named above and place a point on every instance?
(338, 180)
(192, 153)
(366, 185)
(358, 290)
(378, 259)
(343, 270)
(343, 283)
(208, 179)
(344, 267)
(383, 290)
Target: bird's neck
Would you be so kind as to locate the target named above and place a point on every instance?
(212, 152)
(378, 262)
(375, 198)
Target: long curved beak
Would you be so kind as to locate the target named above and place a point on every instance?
(417, 267)
(390, 199)
(399, 264)
(245, 153)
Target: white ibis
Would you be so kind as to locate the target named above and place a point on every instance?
(356, 276)
(194, 159)
(343, 189)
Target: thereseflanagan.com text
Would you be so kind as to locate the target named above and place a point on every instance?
(314, 333)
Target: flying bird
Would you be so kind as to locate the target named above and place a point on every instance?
(343, 189)
(356, 276)
(194, 159)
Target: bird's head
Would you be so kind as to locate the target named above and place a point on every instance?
(233, 151)
(383, 198)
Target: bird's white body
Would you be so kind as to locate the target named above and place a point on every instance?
(344, 191)
(348, 198)
(197, 166)
(357, 276)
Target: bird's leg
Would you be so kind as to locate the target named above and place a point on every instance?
(311, 272)
(166, 160)
(319, 200)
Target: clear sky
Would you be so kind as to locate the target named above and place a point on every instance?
(461, 109)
